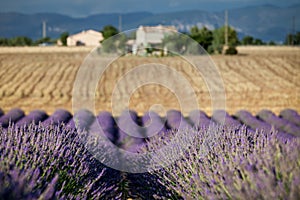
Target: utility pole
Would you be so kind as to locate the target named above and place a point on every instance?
(226, 28)
(120, 23)
(225, 47)
(44, 30)
(293, 31)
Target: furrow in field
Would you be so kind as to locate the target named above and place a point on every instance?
(280, 75)
(20, 77)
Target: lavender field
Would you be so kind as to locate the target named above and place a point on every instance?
(251, 157)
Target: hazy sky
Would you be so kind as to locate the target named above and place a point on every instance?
(78, 8)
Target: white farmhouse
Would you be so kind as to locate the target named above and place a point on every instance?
(152, 35)
(85, 38)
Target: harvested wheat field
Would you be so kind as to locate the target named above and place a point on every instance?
(43, 77)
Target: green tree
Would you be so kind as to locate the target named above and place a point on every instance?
(289, 39)
(63, 38)
(247, 40)
(121, 40)
(219, 39)
(297, 38)
(272, 43)
(4, 42)
(180, 44)
(175, 42)
(43, 40)
(108, 46)
(109, 31)
(258, 42)
(292, 39)
(203, 36)
(20, 41)
(115, 44)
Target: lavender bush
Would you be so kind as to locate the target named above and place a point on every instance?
(81, 120)
(291, 115)
(222, 117)
(251, 121)
(128, 125)
(17, 184)
(175, 120)
(58, 117)
(237, 164)
(38, 162)
(256, 124)
(280, 123)
(199, 118)
(108, 125)
(10, 117)
(34, 117)
(153, 124)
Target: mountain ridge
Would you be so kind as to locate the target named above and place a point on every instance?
(267, 22)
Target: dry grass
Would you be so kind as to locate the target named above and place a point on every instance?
(43, 77)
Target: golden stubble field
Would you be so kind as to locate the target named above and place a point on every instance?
(43, 78)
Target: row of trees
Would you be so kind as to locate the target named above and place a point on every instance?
(211, 40)
(249, 40)
(214, 40)
(107, 32)
(207, 37)
(293, 39)
(16, 41)
(26, 41)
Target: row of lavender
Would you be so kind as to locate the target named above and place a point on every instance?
(287, 123)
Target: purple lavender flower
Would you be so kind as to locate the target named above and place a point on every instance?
(234, 167)
(11, 117)
(108, 125)
(34, 117)
(130, 131)
(199, 118)
(153, 124)
(175, 120)
(81, 120)
(58, 117)
(40, 162)
(279, 123)
(291, 115)
(222, 117)
(251, 121)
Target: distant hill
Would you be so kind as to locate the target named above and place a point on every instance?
(266, 22)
